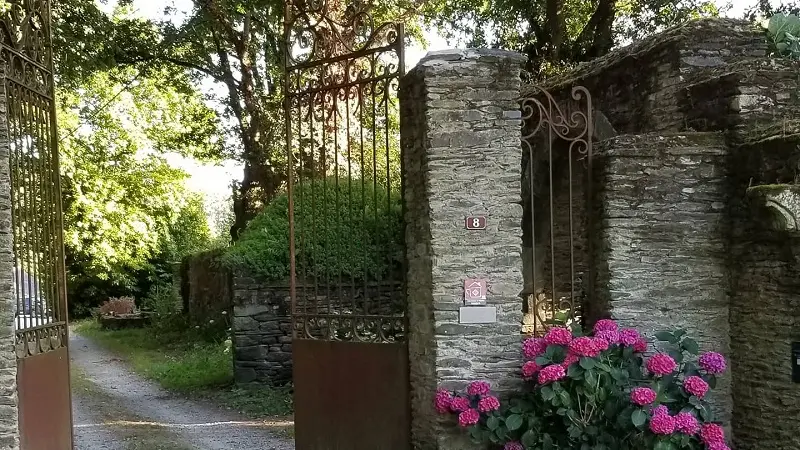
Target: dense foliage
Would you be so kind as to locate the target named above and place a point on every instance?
(784, 35)
(599, 391)
(347, 229)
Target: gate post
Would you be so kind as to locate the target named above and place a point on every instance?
(9, 426)
(460, 134)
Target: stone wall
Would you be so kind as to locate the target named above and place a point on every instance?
(661, 238)
(765, 304)
(9, 425)
(262, 325)
(460, 134)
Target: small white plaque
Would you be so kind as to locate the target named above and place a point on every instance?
(477, 314)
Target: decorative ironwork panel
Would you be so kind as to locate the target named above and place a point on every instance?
(39, 287)
(557, 150)
(342, 135)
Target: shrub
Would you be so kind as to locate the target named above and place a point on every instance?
(598, 391)
(117, 306)
(340, 229)
(784, 34)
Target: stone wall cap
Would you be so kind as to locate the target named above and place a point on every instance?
(437, 57)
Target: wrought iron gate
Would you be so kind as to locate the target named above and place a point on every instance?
(45, 416)
(345, 206)
(557, 148)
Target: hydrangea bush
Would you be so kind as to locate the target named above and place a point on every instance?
(598, 391)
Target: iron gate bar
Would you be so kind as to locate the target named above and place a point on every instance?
(568, 120)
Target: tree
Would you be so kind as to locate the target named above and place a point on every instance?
(556, 34)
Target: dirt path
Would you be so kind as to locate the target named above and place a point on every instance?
(116, 409)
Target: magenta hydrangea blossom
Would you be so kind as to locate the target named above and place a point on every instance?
(569, 360)
(558, 336)
(442, 401)
(488, 404)
(605, 325)
(712, 433)
(640, 346)
(628, 337)
(695, 386)
(686, 423)
(600, 344)
(514, 445)
(533, 347)
(661, 364)
(712, 362)
(662, 424)
(660, 410)
(643, 396)
(612, 337)
(584, 346)
(469, 417)
(718, 446)
(551, 373)
(459, 404)
(478, 388)
(529, 369)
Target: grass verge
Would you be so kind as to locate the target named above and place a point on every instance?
(180, 362)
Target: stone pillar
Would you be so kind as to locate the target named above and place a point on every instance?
(460, 133)
(9, 426)
(661, 238)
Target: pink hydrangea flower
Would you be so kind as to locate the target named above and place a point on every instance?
(600, 344)
(662, 424)
(628, 337)
(712, 362)
(551, 373)
(712, 433)
(612, 337)
(569, 360)
(489, 403)
(558, 336)
(643, 396)
(660, 410)
(584, 346)
(469, 417)
(640, 346)
(695, 386)
(533, 347)
(513, 446)
(718, 446)
(478, 388)
(442, 401)
(529, 369)
(686, 424)
(661, 364)
(605, 325)
(459, 404)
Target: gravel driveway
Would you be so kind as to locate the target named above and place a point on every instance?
(115, 409)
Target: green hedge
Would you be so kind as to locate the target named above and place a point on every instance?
(345, 229)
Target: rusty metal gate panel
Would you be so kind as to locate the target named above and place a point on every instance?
(345, 221)
(45, 411)
(557, 138)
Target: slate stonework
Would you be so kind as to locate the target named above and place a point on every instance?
(661, 230)
(460, 133)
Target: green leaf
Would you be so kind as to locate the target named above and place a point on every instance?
(666, 336)
(575, 372)
(566, 400)
(664, 445)
(639, 417)
(529, 439)
(588, 363)
(690, 345)
(492, 423)
(547, 393)
(547, 442)
(513, 422)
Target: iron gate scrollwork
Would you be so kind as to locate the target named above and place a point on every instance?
(36, 225)
(341, 79)
(557, 187)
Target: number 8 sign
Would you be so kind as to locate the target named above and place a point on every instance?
(476, 223)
